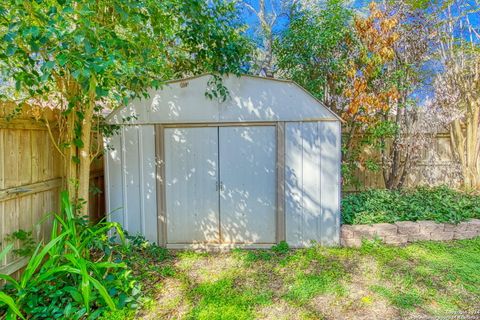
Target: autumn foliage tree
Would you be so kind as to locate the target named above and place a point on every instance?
(371, 92)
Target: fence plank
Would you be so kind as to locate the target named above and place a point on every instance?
(11, 158)
(31, 171)
(37, 187)
(2, 159)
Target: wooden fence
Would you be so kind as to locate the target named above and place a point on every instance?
(437, 165)
(30, 181)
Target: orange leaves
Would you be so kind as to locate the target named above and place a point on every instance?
(388, 24)
(375, 13)
(351, 72)
(387, 54)
(368, 95)
(377, 32)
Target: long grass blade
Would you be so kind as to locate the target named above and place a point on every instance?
(11, 280)
(65, 268)
(5, 251)
(6, 299)
(85, 289)
(104, 293)
(36, 260)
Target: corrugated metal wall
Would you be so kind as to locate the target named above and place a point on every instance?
(130, 180)
(312, 182)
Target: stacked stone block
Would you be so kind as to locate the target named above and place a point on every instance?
(403, 232)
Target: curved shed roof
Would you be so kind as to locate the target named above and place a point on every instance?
(250, 99)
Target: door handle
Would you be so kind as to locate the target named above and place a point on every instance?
(219, 186)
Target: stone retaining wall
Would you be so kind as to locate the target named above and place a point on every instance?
(403, 232)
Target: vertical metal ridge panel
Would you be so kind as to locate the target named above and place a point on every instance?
(330, 182)
(132, 180)
(280, 181)
(139, 184)
(142, 179)
(124, 179)
(113, 179)
(247, 184)
(294, 183)
(312, 178)
(191, 175)
(148, 182)
(311, 182)
(161, 217)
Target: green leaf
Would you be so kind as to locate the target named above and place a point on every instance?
(78, 143)
(104, 293)
(37, 259)
(5, 251)
(62, 59)
(11, 280)
(11, 49)
(11, 304)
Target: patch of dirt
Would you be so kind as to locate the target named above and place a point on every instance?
(170, 303)
(211, 268)
(281, 310)
(261, 276)
(359, 302)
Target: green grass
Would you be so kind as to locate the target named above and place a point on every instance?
(222, 299)
(426, 278)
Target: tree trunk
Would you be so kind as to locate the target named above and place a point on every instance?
(394, 174)
(71, 177)
(84, 152)
(466, 145)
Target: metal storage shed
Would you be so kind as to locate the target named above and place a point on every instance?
(261, 167)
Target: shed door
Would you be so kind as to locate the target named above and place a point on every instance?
(248, 188)
(191, 176)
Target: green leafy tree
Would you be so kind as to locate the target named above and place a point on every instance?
(315, 50)
(85, 57)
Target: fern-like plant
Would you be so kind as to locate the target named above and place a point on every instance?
(66, 260)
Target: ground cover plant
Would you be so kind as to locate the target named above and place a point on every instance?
(374, 281)
(440, 204)
(79, 274)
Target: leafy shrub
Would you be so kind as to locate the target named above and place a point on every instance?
(147, 261)
(77, 274)
(440, 204)
(277, 251)
(27, 243)
(281, 248)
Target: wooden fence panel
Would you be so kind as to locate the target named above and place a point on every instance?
(31, 173)
(437, 166)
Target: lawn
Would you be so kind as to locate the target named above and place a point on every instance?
(374, 281)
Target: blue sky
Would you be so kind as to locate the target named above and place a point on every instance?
(360, 5)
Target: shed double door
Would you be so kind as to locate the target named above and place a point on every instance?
(220, 184)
